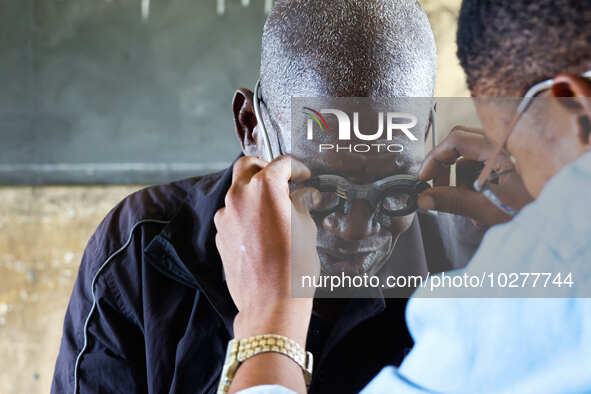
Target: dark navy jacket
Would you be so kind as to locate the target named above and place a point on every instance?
(150, 311)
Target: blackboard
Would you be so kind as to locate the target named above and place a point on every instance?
(122, 91)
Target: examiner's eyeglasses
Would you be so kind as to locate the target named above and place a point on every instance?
(395, 195)
(488, 174)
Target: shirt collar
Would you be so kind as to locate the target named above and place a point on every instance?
(185, 249)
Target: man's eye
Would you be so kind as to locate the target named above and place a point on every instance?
(328, 201)
(396, 202)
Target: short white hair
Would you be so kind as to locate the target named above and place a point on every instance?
(346, 48)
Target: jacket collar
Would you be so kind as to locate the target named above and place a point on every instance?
(185, 249)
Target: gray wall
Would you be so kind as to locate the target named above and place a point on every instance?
(92, 92)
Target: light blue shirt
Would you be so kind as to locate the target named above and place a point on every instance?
(508, 345)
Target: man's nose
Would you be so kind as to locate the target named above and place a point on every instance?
(358, 223)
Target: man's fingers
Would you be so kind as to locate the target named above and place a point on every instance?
(459, 143)
(474, 130)
(306, 198)
(279, 171)
(246, 167)
(464, 202)
(284, 169)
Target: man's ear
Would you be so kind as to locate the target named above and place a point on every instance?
(245, 121)
(568, 85)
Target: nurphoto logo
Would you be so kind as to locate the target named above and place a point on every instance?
(396, 123)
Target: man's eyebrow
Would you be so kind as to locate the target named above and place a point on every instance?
(364, 178)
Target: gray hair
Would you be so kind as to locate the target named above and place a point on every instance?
(346, 48)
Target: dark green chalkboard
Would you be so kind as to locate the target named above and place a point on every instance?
(122, 91)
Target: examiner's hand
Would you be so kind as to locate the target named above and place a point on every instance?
(255, 243)
(468, 148)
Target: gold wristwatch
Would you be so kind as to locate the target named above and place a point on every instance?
(242, 349)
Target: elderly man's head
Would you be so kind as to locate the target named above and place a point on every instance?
(372, 48)
(336, 49)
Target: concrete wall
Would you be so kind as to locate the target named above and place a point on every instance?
(43, 231)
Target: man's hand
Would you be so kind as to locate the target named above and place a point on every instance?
(255, 233)
(468, 148)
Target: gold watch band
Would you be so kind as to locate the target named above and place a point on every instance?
(240, 350)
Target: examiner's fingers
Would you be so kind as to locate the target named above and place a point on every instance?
(305, 198)
(245, 168)
(458, 143)
(284, 169)
(464, 202)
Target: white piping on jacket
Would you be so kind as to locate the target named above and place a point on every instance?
(94, 279)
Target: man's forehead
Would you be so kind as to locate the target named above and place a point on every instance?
(362, 167)
(367, 107)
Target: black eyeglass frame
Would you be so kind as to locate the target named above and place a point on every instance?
(373, 193)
